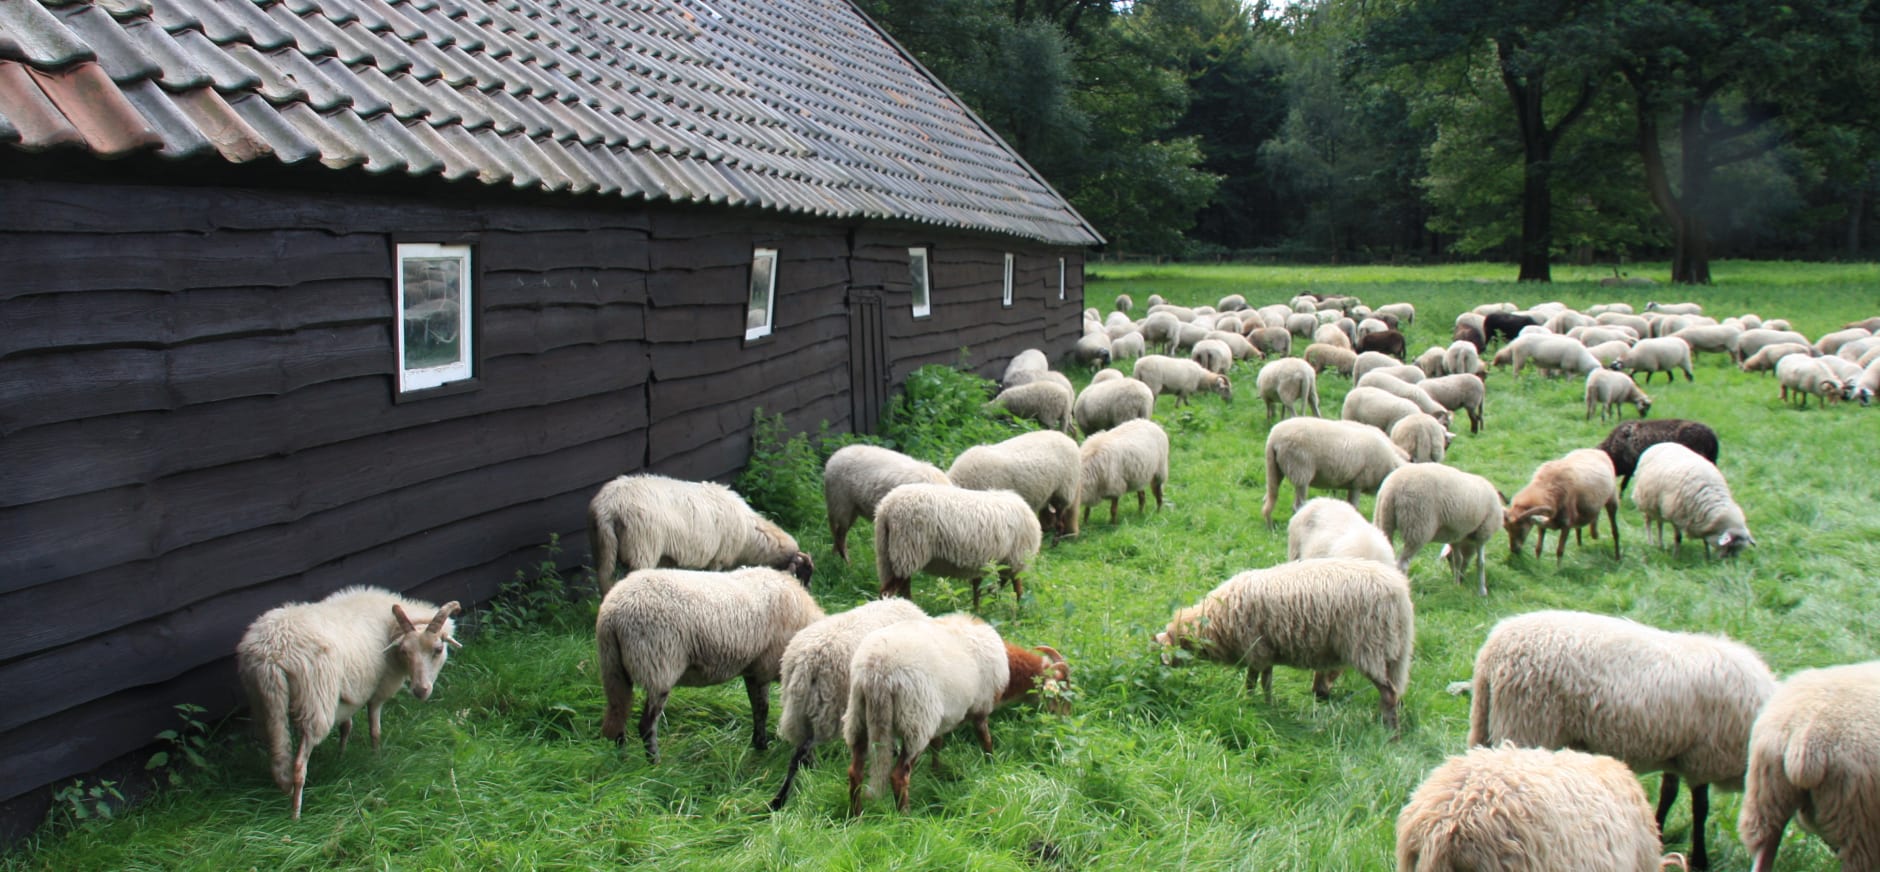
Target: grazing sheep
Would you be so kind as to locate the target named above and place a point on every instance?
(1472, 319)
(1557, 354)
(1657, 355)
(1756, 340)
(1131, 457)
(1491, 308)
(1326, 527)
(1340, 455)
(1118, 325)
(666, 628)
(313, 665)
(953, 532)
(1848, 372)
(1528, 810)
(1678, 485)
(1391, 384)
(1041, 467)
(1629, 439)
(1324, 357)
(1369, 326)
(855, 479)
(1272, 341)
(1871, 325)
(1607, 389)
(1390, 342)
(1031, 376)
(1302, 325)
(1286, 381)
(1403, 372)
(1431, 362)
(1403, 312)
(1124, 303)
(1104, 375)
(1429, 502)
(1678, 703)
(1322, 614)
(1106, 404)
(1675, 308)
(1504, 325)
(1608, 353)
(1423, 438)
(1213, 355)
(1029, 360)
(644, 521)
(1189, 334)
(1567, 320)
(1172, 375)
(1231, 303)
(1250, 320)
(1237, 345)
(1329, 334)
(815, 677)
(1092, 349)
(1595, 335)
(1370, 361)
(1465, 392)
(1710, 337)
(1815, 750)
(1184, 314)
(1603, 308)
(1046, 402)
(1565, 494)
(1832, 342)
(1127, 346)
(1159, 330)
(1854, 350)
(1461, 359)
(1156, 300)
(1470, 334)
(1803, 376)
(1869, 384)
(1379, 408)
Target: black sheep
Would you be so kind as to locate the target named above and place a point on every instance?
(1630, 439)
(1387, 341)
(1468, 333)
(1505, 325)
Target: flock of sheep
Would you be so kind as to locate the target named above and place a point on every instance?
(714, 591)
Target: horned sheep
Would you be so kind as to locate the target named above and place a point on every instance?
(1565, 494)
(1105, 404)
(1430, 502)
(1283, 383)
(1340, 455)
(1815, 750)
(1327, 527)
(1678, 485)
(1803, 376)
(1131, 457)
(1172, 375)
(856, 477)
(1607, 389)
(1041, 467)
(644, 521)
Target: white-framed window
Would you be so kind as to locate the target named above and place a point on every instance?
(1060, 278)
(763, 309)
(1008, 279)
(435, 303)
(917, 273)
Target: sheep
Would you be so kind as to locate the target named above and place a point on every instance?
(1031, 376)
(1272, 341)
(1663, 354)
(1127, 346)
(1565, 494)
(1756, 340)
(856, 477)
(1403, 372)
(1566, 320)
(1104, 375)
(1156, 300)
(1608, 353)
(1678, 485)
(1470, 334)
(666, 628)
(1250, 320)
(1327, 527)
(1423, 438)
(1778, 324)
(1041, 467)
(644, 521)
(1324, 357)
(1092, 349)
(913, 682)
(1391, 384)
(1131, 457)
(1658, 701)
(1871, 325)
(1213, 355)
(1189, 334)
(1379, 408)
(1869, 384)
(1369, 326)
(1329, 334)
(1848, 372)
(1603, 308)
(1341, 455)
(1630, 439)
(1461, 359)
(1183, 314)
(313, 665)
(1124, 303)
(1274, 315)
(1231, 303)
(1558, 353)
(1237, 345)
(1431, 361)
(1465, 392)
(1854, 350)
(1528, 810)
(1046, 402)
(1302, 325)
(1390, 342)
(1283, 383)
(1472, 319)
(1403, 312)
(1118, 325)
(1803, 376)
(953, 532)
(1369, 361)
(1607, 389)
(1493, 308)
(1815, 749)
(1595, 335)
(1710, 337)
(1868, 357)
(1159, 330)
(1172, 375)
(1429, 502)
(1832, 342)
(1029, 360)
(1106, 404)
(1675, 308)
(1505, 325)
(1320, 614)
(815, 678)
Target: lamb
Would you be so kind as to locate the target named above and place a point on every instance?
(1284, 383)
(1131, 457)
(1029, 360)
(912, 682)
(1272, 341)
(666, 628)
(1607, 389)
(1678, 485)
(1630, 439)
(1341, 455)
(1680, 703)
(1327, 527)
(1041, 467)
(1528, 810)
(1320, 614)
(1423, 438)
(1465, 392)
(1657, 355)
(1106, 404)
(1127, 346)
(1046, 402)
(855, 479)
(1171, 375)
(953, 532)
(1213, 355)
(313, 665)
(1807, 375)
(1565, 494)
(1430, 502)
(1389, 342)
(1461, 359)
(815, 677)
(644, 521)
(1558, 353)
(1324, 357)
(1815, 749)
(1378, 408)
(1092, 349)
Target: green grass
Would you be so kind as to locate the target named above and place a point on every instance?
(1158, 768)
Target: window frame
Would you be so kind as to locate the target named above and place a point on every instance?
(1010, 269)
(1060, 279)
(457, 375)
(754, 333)
(921, 280)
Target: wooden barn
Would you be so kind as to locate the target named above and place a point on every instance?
(297, 294)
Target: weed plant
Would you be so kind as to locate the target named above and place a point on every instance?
(1159, 767)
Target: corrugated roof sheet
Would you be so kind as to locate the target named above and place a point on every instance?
(799, 106)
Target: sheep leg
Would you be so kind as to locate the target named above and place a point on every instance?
(300, 770)
(1667, 794)
(982, 724)
(1113, 515)
(1155, 487)
(1540, 542)
(899, 777)
(372, 721)
(345, 732)
(858, 762)
(840, 533)
(1142, 503)
(1766, 855)
(759, 692)
(1389, 701)
(1322, 683)
(1560, 547)
(1481, 570)
(975, 582)
(802, 755)
(649, 721)
(1700, 812)
(1018, 587)
(1612, 515)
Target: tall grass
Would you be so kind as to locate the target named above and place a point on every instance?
(1159, 767)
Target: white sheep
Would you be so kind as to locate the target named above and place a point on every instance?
(1231, 303)
(1756, 340)
(1131, 457)
(1832, 342)
(1124, 303)
(313, 665)
(1565, 494)
(1766, 357)
(644, 521)
(1326, 527)
(1380, 408)
(1236, 344)
(1403, 372)
(1341, 455)
(1434, 360)
(1041, 467)
(1423, 438)
(1849, 374)
(1156, 300)
(1371, 361)
(1172, 375)
(1388, 382)
(1608, 353)
(1607, 389)
(815, 678)
(1092, 349)
(1271, 341)
(1802, 376)
(856, 477)
(1558, 354)
(1598, 334)
(1284, 382)
(1159, 330)
(1710, 337)
(1405, 313)
(1664, 354)
(1191, 333)
(1213, 355)
(1324, 357)
(1330, 334)
(1104, 375)
(1675, 308)
(666, 628)
(1815, 750)
(1322, 614)
(1430, 502)
(1105, 404)
(1678, 703)
(953, 532)
(1528, 810)
(1029, 360)
(1464, 392)
(1127, 346)
(1046, 402)
(1302, 325)
(1461, 358)
(1678, 485)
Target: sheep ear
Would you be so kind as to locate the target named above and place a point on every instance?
(404, 623)
(443, 614)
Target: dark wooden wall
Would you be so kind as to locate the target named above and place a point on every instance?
(198, 421)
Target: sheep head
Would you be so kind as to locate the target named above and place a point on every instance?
(1186, 631)
(423, 651)
(1732, 542)
(1223, 387)
(1517, 520)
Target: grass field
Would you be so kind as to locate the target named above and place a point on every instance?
(1158, 768)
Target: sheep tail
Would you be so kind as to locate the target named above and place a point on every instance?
(604, 543)
(1478, 709)
(269, 694)
(877, 712)
(1803, 762)
(884, 542)
(1272, 483)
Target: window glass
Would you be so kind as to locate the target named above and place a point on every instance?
(434, 309)
(1008, 279)
(762, 312)
(917, 272)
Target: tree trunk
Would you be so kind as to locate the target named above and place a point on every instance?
(1537, 212)
(1690, 262)
(1855, 211)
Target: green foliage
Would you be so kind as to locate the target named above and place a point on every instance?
(185, 745)
(539, 596)
(941, 411)
(784, 476)
(86, 805)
